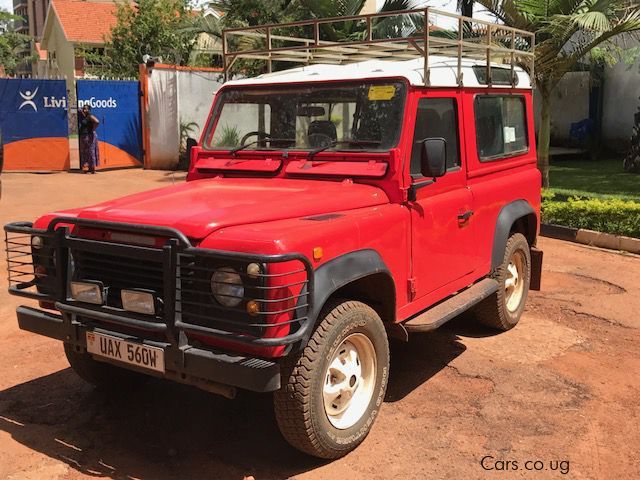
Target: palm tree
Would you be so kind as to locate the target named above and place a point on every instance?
(237, 15)
(566, 31)
(465, 7)
(393, 26)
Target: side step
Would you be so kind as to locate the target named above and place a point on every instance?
(443, 312)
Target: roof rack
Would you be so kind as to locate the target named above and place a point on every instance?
(397, 35)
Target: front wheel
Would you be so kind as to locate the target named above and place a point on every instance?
(333, 390)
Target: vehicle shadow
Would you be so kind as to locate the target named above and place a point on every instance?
(166, 431)
(414, 362)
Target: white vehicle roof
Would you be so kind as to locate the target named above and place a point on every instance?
(443, 73)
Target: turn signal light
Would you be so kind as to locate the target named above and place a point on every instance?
(253, 308)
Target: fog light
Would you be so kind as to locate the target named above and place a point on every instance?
(138, 302)
(37, 242)
(87, 292)
(253, 308)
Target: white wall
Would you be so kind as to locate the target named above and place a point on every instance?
(163, 124)
(195, 96)
(569, 104)
(175, 97)
(621, 99)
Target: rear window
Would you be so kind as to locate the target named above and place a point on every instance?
(501, 126)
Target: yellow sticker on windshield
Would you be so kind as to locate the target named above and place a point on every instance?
(382, 92)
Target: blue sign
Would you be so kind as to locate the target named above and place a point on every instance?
(116, 104)
(33, 124)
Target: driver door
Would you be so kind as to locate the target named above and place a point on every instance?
(442, 248)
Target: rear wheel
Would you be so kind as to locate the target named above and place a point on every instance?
(333, 390)
(100, 374)
(503, 309)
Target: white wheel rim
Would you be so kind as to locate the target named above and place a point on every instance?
(349, 381)
(514, 283)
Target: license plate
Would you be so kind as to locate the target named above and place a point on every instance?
(106, 346)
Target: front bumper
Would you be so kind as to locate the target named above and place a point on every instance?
(187, 364)
(202, 341)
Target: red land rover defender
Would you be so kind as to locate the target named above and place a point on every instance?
(383, 188)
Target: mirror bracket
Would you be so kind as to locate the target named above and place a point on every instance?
(412, 193)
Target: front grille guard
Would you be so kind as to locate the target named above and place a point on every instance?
(51, 285)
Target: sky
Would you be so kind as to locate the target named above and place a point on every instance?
(6, 5)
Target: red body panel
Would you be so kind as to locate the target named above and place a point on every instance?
(199, 208)
(259, 202)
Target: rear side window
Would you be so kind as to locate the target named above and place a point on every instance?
(501, 126)
(436, 118)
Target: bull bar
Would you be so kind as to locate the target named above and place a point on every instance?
(174, 327)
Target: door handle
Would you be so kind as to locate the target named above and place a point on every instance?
(464, 217)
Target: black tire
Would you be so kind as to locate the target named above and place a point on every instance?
(299, 405)
(100, 374)
(493, 311)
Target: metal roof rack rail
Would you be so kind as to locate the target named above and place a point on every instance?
(418, 33)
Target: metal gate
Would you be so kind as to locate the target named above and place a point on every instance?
(116, 103)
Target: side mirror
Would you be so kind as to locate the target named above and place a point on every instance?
(433, 159)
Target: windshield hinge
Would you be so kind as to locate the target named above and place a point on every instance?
(405, 194)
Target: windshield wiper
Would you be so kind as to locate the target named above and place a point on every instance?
(270, 140)
(312, 153)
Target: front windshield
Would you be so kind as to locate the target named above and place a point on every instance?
(362, 116)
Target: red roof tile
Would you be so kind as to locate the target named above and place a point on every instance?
(42, 53)
(85, 21)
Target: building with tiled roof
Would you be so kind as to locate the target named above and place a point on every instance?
(71, 28)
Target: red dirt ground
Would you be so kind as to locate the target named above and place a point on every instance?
(561, 389)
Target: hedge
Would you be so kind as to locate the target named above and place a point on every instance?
(616, 216)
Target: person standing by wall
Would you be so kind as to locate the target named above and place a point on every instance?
(88, 139)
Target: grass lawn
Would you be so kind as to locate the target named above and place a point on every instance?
(593, 178)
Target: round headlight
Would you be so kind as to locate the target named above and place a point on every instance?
(227, 287)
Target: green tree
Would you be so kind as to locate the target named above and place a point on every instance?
(567, 31)
(11, 43)
(239, 13)
(147, 27)
(247, 13)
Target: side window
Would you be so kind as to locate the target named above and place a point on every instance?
(501, 126)
(436, 117)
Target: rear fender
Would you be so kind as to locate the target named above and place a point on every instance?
(507, 217)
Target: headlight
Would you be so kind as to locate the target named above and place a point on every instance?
(227, 287)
